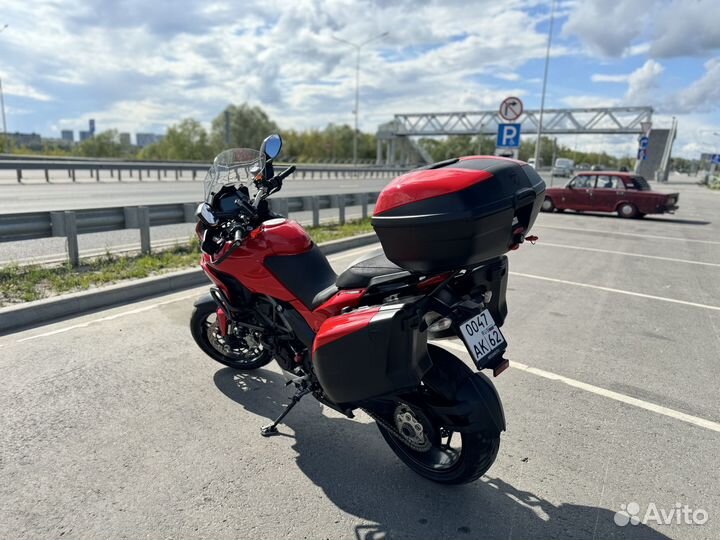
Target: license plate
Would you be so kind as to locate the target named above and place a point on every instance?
(481, 336)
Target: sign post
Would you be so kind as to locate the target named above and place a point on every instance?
(643, 142)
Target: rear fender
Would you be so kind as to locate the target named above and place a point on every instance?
(465, 401)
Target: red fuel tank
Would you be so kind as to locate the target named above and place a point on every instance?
(281, 237)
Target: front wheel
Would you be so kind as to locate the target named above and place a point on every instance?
(242, 351)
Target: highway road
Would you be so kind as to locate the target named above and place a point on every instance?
(36, 196)
(116, 425)
(61, 194)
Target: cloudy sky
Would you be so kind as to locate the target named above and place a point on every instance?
(138, 65)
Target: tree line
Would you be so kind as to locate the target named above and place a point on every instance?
(246, 126)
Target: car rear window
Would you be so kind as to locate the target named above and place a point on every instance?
(641, 183)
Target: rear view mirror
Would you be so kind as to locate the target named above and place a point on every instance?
(271, 146)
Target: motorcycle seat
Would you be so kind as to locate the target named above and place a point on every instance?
(368, 270)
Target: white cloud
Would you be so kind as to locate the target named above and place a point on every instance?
(24, 90)
(507, 76)
(607, 28)
(685, 28)
(136, 66)
(604, 77)
(703, 94)
(667, 28)
(642, 84)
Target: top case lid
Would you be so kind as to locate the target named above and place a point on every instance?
(440, 179)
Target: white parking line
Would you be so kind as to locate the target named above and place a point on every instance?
(108, 318)
(648, 406)
(618, 291)
(636, 235)
(670, 259)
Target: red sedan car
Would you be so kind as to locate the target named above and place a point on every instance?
(601, 191)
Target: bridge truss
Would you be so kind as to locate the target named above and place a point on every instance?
(396, 135)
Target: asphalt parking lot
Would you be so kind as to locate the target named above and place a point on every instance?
(116, 425)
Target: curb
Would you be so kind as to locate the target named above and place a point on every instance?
(23, 316)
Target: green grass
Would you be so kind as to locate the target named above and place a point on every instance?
(33, 282)
(334, 231)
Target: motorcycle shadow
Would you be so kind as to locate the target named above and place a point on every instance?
(358, 473)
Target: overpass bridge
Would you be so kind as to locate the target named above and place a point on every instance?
(395, 143)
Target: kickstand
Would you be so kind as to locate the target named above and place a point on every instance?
(271, 429)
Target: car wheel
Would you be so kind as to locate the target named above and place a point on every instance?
(548, 205)
(627, 210)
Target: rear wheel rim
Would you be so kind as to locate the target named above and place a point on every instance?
(626, 210)
(444, 450)
(547, 205)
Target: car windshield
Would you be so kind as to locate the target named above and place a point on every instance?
(641, 183)
(236, 166)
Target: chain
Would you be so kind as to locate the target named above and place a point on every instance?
(394, 432)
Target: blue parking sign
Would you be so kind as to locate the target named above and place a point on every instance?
(716, 159)
(508, 136)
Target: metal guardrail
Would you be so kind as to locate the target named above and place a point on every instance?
(71, 223)
(160, 169)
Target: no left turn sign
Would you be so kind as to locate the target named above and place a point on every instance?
(511, 108)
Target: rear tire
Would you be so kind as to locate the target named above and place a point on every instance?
(548, 205)
(205, 333)
(478, 449)
(627, 210)
(477, 456)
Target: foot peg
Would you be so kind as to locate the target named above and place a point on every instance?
(269, 430)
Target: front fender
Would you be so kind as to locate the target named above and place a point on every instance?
(467, 401)
(208, 303)
(205, 300)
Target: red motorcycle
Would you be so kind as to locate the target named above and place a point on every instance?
(360, 340)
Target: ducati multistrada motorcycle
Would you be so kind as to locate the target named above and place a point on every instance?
(360, 340)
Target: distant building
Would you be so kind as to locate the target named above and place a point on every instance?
(85, 135)
(145, 139)
(125, 139)
(25, 139)
(67, 135)
(91, 127)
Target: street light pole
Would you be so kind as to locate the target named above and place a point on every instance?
(2, 97)
(2, 106)
(358, 47)
(542, 99)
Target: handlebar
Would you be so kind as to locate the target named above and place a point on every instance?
(287, 172)
(273, 185)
